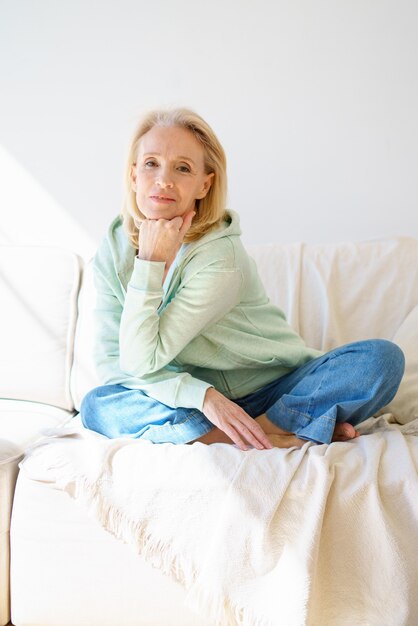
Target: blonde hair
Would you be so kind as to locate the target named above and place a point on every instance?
(211, 208)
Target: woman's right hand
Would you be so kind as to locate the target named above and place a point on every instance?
(160, 240)
(234, 421)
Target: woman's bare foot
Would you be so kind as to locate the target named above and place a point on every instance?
(286, 441)
(344, 431)
(216, 435)
(269, 427)
(278, 441)
(279, 437)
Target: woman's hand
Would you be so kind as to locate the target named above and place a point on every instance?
(160, 240)
(234, 421)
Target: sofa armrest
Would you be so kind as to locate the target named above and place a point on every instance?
(10, 455)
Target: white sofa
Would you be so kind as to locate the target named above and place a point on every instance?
(64, 569)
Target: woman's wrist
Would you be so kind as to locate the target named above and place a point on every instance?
(211, 396)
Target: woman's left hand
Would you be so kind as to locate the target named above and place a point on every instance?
(234, 421)
(160, 240)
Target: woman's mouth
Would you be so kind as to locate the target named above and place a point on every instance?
(162, 199)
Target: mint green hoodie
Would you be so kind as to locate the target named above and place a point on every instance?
(211, 324)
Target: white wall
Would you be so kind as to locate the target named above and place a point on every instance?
(314, 101)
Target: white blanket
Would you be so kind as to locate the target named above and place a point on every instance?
(325, 534)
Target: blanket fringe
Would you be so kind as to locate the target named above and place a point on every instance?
(161, 555)
(222, 611)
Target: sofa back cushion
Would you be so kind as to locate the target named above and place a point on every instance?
(331, 294)
(39, 287)
(84, 375)
(404, 405)
(337, 293)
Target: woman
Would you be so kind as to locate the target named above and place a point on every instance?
(189, 348)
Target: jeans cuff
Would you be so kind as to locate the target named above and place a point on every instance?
(316, 429)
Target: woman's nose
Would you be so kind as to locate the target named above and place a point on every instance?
(164, 180)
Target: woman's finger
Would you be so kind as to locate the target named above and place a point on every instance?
(237, 430)
(257, 434)
(176, 223)
(234, 436)
(233, 421)
(259, 442)
(187, 222)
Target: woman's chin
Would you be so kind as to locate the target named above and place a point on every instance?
(160, 213)
(155, 214)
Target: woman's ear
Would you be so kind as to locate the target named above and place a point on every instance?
(133, 176)
(206, 186)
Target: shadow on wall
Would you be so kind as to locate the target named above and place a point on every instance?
(31, 216)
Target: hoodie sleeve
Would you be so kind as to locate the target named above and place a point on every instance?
(149, 341)
(175, 389)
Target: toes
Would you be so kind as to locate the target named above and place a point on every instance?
(345, 432)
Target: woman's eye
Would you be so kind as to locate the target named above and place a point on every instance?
(184, 168)
(149, 163)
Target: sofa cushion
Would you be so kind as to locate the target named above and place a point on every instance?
(22, 422)
(83, 373)
(39, 287)
(333, 294)
(404, 406)
(10, 455)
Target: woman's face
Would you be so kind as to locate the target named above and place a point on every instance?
(168, 176)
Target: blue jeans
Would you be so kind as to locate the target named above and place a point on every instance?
(348, 384)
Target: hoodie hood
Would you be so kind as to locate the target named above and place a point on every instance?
(229, 226)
